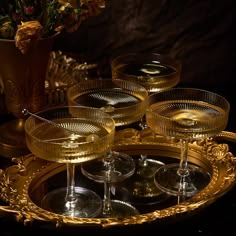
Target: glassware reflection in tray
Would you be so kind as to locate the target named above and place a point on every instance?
(23, 184)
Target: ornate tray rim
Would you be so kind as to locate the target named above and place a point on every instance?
(17, 180)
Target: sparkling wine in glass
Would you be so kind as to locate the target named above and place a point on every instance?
(70, 135)
(187, 114)
(125, 102)
(156, 72)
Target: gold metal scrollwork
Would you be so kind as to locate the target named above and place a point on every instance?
(18, 181)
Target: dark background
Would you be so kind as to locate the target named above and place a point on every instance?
(199, 33)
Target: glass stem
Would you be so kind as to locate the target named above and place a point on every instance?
(107, 207)
(143, 157)
(142, 123)
(143, 160)
(183, 170)
(70, 193)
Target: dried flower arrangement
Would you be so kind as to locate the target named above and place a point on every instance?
(28, 20)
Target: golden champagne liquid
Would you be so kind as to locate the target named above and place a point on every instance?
(125, 107)
(87, 140)
(186, 119)
(154, 77)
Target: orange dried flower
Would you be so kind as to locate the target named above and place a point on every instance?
(26, 33)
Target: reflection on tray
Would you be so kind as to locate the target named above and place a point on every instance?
(26, 182)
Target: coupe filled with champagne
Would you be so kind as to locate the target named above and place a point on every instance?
(154, 71)
(70, 135)
(187, 114)
(126, 103)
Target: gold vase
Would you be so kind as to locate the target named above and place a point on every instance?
(23, 77)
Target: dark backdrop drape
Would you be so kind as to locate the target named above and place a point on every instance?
(199, 33)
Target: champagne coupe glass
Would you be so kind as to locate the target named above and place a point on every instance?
(126, 102)
(156, 72)
(187, 114)
(70, 135)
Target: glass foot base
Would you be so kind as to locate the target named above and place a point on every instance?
(120, 166)
(88, 203)
(168, 181)
(120, 209)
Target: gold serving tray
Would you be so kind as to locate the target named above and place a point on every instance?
(25, 182)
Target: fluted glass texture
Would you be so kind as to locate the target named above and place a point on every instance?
(124, 101)
(156, 72)
(77, 134)
(187, 113)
